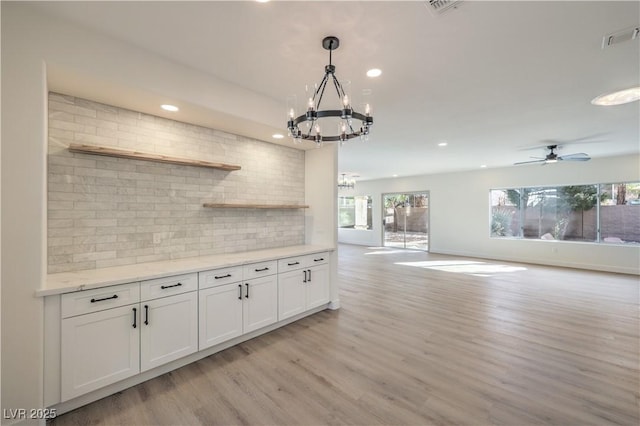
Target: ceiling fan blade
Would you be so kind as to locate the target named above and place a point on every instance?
(579, 156)
(529, 162)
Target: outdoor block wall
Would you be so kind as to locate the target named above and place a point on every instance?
(105, 211)
(616, 221)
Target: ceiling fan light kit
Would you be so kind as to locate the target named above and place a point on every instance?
(348, 117)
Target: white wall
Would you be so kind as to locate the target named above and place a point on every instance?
(361, 237)
(459, 213)
(30, 43)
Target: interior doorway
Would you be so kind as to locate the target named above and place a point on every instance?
(406, 220)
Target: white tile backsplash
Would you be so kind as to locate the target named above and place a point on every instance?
(105, 211)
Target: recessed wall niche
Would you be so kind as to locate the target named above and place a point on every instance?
(105, 211)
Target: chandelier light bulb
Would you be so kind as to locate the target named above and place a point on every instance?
(345, 101)
(367, 109)
(311, 104)
(291, 113)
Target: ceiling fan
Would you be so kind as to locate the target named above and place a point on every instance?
(552, 157)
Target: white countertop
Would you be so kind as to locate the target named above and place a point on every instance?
(66, 282)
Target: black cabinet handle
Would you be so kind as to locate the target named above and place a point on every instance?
(164, 287)
(261, 270)
(115, 296)
(294, 263)
(247, 295)
(309, 280)
(135, 318)
(239, 291)
(318, 260)
(217, 277)
(305, 276)
(146, 314)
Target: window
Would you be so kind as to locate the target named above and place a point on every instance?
(354, 212)
(590, 213)
(620, 212)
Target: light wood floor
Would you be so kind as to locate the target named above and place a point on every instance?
(476, 344)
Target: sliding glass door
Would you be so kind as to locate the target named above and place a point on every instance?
(406, 220)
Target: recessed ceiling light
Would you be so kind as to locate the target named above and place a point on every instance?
(483, 166)
(395, 175)
(168, 107)
(443, 144)
(277, 136)
(262, 1)
(374, 72)
(618, 98)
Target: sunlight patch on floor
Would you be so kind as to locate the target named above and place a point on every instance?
(470, 267)
(386, 251)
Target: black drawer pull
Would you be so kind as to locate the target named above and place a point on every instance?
(164, 287)
(146, 314)
(240, 292)
(318, 260)
(247, 296)
(261, 270)
(309, 280)
(305, 276)
(217, 277)
(294, 263)
(115, 296)
(135, 317)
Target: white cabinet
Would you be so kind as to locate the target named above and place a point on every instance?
(291, 293)
(260, 307)
(113, 333)
(230, 310)
(169, 320)
(304, 286)
(317, 286)
(110, 334)
(168, 329)
(101, 346)
(220, 314)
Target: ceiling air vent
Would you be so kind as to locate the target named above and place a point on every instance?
(437, 7)
(621, 36)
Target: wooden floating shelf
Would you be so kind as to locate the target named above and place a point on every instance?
(254, 206)
(145, 156)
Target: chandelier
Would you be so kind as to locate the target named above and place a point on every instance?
(346, 184)
(352, 124)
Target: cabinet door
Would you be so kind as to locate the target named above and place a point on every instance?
(99, 349)
(317, 286)
(291, 293)
(220, 314)
(260, 302)
(168, 329)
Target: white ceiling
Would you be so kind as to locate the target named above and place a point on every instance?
(489, 78)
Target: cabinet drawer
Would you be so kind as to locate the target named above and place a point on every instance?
(318, 258)
(216, 277)
(299, 262)
(168, 286)
(291, 264)
(84, 302)
(261, 269)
